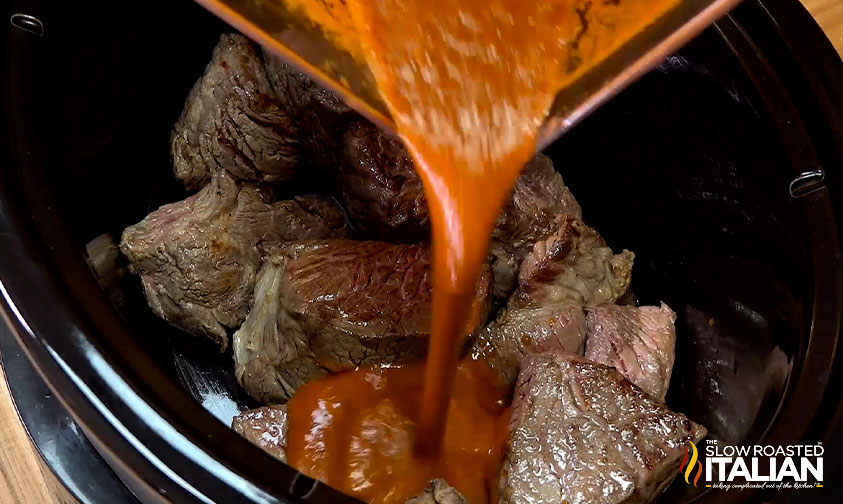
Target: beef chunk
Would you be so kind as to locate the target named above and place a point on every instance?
(376, 178)
(518, 333)
(570, 269)
(336, 305)
(573, 265)
(321, 117)
(581, 433)
(638, 342)
(438, 492)
(379, 186)
(197, 258)
(233, 121)
(103, 256)
(538, 200)
(271, 355)
(266, 428)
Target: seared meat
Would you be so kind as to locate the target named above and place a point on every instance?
(103, 256)
(505, 267)
(638, 342)
(384, 195)
(518, 333)
(321, 117)
(573, 265)
(266, 428)
(538, 200)
(379, 186)
(581, 433)
(336, 305)
(438, 492)
(197, 258)
(570, 269)
(376, 178)
(271, 356)
(232, 121)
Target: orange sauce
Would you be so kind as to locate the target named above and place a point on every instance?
(468, 84)
(355, 431)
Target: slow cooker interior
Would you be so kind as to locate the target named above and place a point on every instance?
(684, 168)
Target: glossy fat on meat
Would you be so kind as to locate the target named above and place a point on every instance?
(581, 433)
(197, 258)
(438, 492)
(539, 199)
(266, 428)
(638, 341)
(379, 187)
(336, 305)
(272, 357)
(568, 270)
(233, 121)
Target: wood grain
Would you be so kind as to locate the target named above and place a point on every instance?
(25, 480)
(829, 15)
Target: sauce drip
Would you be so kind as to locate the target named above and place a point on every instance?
(468, 84)
(364, 446)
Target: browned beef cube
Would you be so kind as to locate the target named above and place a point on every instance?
(638, 341)
(438, 492)
(379, 186)
(233, 121)
(518, 333)
(335, 305)
(385, 199)
(266, 428)
(581, 433)
(573, 266)
(320, 116)
(570, 269)
(538, 201)
(198, 258)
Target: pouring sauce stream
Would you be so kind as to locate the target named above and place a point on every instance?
(468, 83)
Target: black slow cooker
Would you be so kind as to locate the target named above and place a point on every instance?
(721, 169)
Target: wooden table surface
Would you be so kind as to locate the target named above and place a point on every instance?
(24, 479)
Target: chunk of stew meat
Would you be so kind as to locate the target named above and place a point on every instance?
(571, 269)
(233, 121)
(638, 341)
(581, 433)
(379, 187)
(266, 428)
(320, 116)
(197, 259)
(334, 305)
(539, 200)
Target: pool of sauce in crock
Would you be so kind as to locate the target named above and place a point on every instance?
(364, 446)
(468, 84)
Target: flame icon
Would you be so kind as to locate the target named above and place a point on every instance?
(688, 466)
